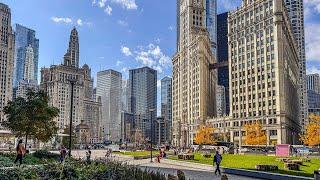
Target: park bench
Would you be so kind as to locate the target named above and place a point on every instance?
(283, 159)
(292, 166)
(299, 162)
(186, 156)
(266, 167)
(206, 154)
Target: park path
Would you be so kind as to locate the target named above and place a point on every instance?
(193, 171)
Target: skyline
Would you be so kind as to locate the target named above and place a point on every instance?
(110, 32)
(116, 51)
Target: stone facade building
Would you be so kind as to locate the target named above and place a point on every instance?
(296, 16)
(193, 84)
(55, 80)
(264, 71)
(6, 58)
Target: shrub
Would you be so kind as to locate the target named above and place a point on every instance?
(80, 170)
(44, 154)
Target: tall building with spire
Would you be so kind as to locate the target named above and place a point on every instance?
(55, 80)
(296, 15)
(25, 42)
(193, 84)
(71, 58)
(6, 58)
(28, 82)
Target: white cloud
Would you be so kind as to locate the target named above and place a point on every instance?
(100, 3)
(312, 5)
(152, 56)
(79, 22)
(122, 23)
(158, 40)
(313, 42)
(108, 10)
(313, 70)
(119, 63)
(65, 20)
(126, 51)
(128, 4)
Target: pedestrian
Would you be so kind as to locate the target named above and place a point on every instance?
(88, 154)
(217, 160)
(63, 154)
(21, 151)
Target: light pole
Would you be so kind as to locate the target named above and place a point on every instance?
(151, 112)
(72, 82)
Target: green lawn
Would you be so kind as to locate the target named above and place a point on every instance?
(136, 153)
(249, 162)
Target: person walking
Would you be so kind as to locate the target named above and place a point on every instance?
(21, 151)
(217, 160)
(63, 154)
(88, 155)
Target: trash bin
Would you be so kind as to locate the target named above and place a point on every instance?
(317, 175)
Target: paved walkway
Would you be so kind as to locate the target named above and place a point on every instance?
(193, 171)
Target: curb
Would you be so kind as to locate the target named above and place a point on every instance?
(240, 172)
(264, 175)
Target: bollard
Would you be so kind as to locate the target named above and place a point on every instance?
(317, 175)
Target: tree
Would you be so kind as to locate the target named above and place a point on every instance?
(31, 117)
(205, 136)
(255, 135)
(66, 139)
(312, 135)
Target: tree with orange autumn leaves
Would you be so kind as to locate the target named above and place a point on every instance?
(312, 135)
(254, 134)
(204, 136)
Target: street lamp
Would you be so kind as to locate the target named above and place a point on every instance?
(151, 112)
(72, 82)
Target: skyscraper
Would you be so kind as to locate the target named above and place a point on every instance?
(166, 107)
(221, 101)
(56, 81)
(143, 98)
(6, 58)
(28, 73)
(193, 84)
(25, 42)
(296, 15)
(223, 72)
(313, 91)
(109, 90)
(313, 83)
(211, 23)
(264, 71)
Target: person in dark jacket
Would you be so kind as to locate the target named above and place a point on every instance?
(217, 160)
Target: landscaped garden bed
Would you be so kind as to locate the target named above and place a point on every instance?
(43, 165)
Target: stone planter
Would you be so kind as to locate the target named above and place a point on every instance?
(266, 167)
(292, 166)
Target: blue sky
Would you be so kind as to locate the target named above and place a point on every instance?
(124, 34)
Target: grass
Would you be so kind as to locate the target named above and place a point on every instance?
(136, 153)
(249, 162)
